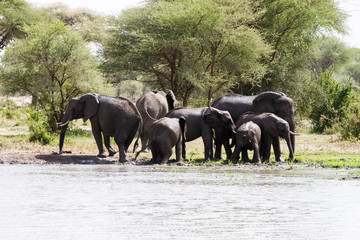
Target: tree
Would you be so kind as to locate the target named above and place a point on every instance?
(91, 26)
(53, 65)
(292, 28)
(14, 15)
(187, 46)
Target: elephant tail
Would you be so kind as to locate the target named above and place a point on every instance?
(148, 114)
(182, 122)
(136, 144)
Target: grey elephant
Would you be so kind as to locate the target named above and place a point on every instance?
(272, 127)
(152, 106)
(109, 116)
(248, 137)
(273, 102)
(166, 133)
(201, 121)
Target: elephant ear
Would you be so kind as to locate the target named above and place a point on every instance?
(264, 102)
(171, 100)
(91, 105)
(210, 116)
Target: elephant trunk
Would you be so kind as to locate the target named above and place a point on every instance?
(292, 136)
(291, 150)
(233, 137)
(62, 137)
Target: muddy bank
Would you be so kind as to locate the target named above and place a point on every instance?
(144, 164)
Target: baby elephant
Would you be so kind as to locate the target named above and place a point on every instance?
(165, 133)
(248, 137)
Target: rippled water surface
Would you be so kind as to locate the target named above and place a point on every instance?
(144, 202)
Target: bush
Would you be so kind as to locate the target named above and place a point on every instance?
(39, 127)
(39, 133)
(350, 127)
(332, 102)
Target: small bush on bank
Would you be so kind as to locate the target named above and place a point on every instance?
(350, 126)
(332, 102)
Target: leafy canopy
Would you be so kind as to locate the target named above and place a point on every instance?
(187, 46)
(53, 65)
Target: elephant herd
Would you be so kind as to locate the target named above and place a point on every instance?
(249, 122)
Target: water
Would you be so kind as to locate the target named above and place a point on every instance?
(145, 202)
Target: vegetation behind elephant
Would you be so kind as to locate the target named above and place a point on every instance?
(152, 106)
(166, 133)
(248, 137)
(201, 121)
(273, 102)
(272, 127)
(109, 116)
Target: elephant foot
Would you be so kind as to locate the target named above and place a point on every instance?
(256, 161)
(125, 161)
(235, 161)
(112, 153)
(102, 155)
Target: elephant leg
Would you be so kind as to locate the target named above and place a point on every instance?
(266, 146)
(228, 149)
(218, 144)
(244, 155)
(111, 150)
(236, 154)
(256, 157)
(166, 152)
(178, 150)
(277, 151)
(207, 139)
(98, 139)
(122, 151)
(145, 141)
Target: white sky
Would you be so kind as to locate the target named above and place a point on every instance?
(351, 7)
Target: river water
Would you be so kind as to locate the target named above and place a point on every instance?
(153, 202)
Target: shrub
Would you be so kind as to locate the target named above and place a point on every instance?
(39, 127)
(350, 127)
(332, 102)
(39, 133)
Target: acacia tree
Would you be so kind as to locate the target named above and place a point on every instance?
(293, 28)
(187, 46)
(14, 15)
(52, 64)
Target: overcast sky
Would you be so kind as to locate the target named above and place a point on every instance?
(351, 7)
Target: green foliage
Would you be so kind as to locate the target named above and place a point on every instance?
(53, 65)
(332, 101)
(187, 46)
(350, 126)
(14, 15)
(39, 128)
(39, 133)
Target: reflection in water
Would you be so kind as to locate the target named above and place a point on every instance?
(138, 202)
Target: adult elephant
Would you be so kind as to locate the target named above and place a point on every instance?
(273, 102)
(201, 121)
(109, 116)
(152, 106)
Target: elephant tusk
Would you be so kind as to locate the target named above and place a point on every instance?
(295, 134)
(63, 124)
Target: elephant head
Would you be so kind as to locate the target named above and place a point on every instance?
(171, 100)
(84, 107)
(220, 121)
(278, 103)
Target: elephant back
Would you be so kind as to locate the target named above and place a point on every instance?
(235, 104)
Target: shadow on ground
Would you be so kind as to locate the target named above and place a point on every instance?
(75, 159)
